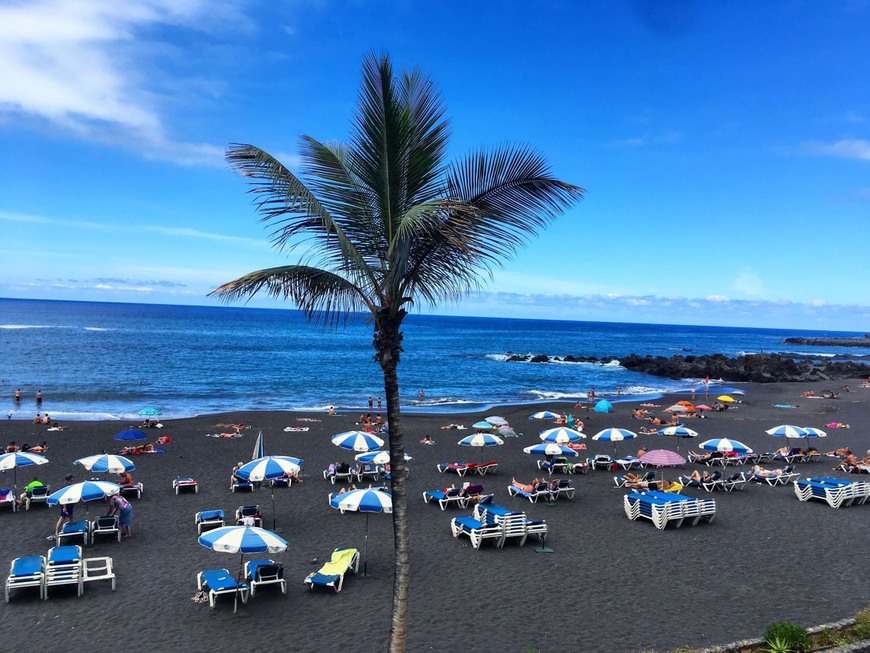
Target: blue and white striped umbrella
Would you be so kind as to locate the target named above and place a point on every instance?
(724, 444)
(367, 500)
(544, 414)
(363, 500)
(481, 440)
(788, 431)
(614, 435)
(561, 435)
(243, 539)
(813, 432)
(84, 491)
(678, 431)
(377, 457)
(357, 441)
(269, 467)
(106, 463)
(550, 449)
(20, 459)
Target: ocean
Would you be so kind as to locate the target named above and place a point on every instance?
(108, 361)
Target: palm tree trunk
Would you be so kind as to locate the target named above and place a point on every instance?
(387, 343)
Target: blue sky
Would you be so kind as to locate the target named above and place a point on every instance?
(725, 147)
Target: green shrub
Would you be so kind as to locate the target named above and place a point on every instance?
(786, 637)
(861, 629)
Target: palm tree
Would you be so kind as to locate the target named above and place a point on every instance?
(386, 224)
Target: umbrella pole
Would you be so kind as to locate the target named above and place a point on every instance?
(366, 549)
(239, 583)
(274, 518)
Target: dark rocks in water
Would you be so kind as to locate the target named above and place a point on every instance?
(756, 368)
(831, 342)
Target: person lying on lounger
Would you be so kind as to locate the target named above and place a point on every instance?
(665, 486)
(702, 478)
(526, 487)
(758, 470)
(701, 457)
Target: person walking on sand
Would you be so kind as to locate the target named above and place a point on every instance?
(66, 511)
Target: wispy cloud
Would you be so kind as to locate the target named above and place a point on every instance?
(849, 148)
(174, 232)
(86, 67)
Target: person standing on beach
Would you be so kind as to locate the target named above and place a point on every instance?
(371, 403)
(379, 404)
(66, 511)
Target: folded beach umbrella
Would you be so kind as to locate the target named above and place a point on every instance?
(377, 457)
(544, 414)
(20, 459)
(84, 491)
(367, 500)
(787, 431)
(242, 540)
(357, 441)
(561, 435)
(106, 463)
(604, 406)
(498, 421)
(724, 444)
(131, 434)
(550, 449)
(678, 431)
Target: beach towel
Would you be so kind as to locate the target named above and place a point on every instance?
(295, 428)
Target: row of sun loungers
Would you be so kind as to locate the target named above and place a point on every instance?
(493, 522)
(836, 492)
(259, 573)
(562, 465)
(663, 508)
(545, 490)
(717, 482)
(63, 565)
(208, 519)
(464, 468)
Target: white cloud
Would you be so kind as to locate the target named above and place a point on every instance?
(83, 66)
(748, 284)
(849, 148)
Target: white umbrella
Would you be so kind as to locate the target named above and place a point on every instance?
(20, 459)
(357, 441)
(561, 435)
(496, 420)
(84, 492)
(377, 457)
(242, 540)
(270, 467)
(544, 414)
(106, 463)
(365, 500)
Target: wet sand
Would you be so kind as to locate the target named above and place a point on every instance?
(610, 584)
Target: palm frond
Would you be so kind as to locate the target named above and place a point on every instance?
(319, 294)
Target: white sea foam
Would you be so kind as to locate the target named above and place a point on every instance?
(24, 326)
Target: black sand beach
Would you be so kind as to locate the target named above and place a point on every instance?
(610, 584)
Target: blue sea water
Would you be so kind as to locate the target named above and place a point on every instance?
(103, 361)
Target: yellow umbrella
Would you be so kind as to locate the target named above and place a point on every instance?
(725, 398)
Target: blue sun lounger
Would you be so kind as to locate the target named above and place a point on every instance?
(28, 571)
(219, 581)
(836, 492)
